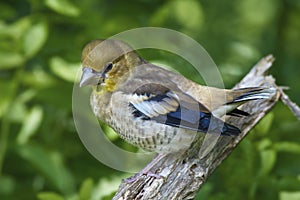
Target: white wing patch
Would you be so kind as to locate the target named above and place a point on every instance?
(155, 105)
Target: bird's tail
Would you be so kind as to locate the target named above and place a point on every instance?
(253, 93)
(240, 96)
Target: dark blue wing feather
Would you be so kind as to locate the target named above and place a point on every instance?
(197, 121)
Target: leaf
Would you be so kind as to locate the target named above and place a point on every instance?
(30, 124)
(264, 125)
(38, 78)
(185, 9)
(267, 156)
(268, 159)
(35, 38)
(180, 12)
(63, 69)
(11, 60)
(291, 147)
(289, 195)
(17, 29)
(18, 110)
(264, 144)
(63, 7)
(86, 189)
(49, 164)
(7, 94)
(49, 196)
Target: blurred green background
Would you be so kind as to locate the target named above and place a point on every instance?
(41, 155)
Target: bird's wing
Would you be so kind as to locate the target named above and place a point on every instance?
(177, 109)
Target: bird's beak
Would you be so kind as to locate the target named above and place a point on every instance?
(89, 77)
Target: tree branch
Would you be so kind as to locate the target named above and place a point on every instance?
(185, 174)
(292, 106)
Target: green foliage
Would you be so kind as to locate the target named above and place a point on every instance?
(289, 195)
(63, 7)
(41, 155)
(49, 196)
(86, 189)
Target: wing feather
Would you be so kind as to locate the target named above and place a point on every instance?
(155, 106)
(178, 110)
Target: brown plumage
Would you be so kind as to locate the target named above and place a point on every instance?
(151, 107)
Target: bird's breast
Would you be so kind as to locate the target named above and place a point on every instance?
(145, 133)
(115, 110)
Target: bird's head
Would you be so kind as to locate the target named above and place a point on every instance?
(106, 63)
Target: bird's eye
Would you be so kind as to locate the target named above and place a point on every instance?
(108, 67)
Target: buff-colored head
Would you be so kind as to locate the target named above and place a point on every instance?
(106, 62)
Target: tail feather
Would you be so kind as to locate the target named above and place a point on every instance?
(253, 93)
(239, 97)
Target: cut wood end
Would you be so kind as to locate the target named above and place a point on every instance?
(263, 65)
(269, 58)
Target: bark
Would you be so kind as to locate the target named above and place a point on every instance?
(183, 175)
(292, 106)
